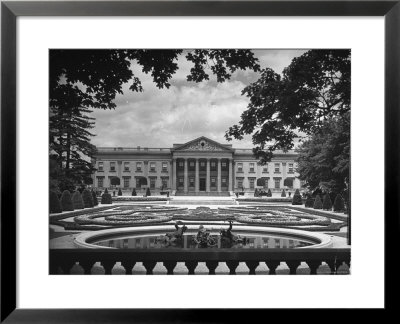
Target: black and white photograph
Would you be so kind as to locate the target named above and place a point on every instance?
(199, 161)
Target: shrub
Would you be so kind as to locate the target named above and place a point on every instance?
(55, 206)
(317, 203)
(94, 198)
(269, 193)
(148, 193)
(310, 202)
(77, 200)
(327, 204)
(283, 194)
(106, 198)
(297, 198)
(66, 201)
(87, 198)
(338, 205)
(105, 190)
(119, 192)
(134, 192)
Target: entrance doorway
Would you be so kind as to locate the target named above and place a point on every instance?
(202, 184)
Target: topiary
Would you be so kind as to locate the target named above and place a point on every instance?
(87, 198)
(309, 202)
(283, 194)
(338, 205)
(105, 190)
(134, 192)
(317, 203)
(327, 204)
(77, 200)
(94, 198)
(148, 193)
(55, 206)
(106, 198)
(297, 198)
(269, 193)
(66, 201)
(119, 192)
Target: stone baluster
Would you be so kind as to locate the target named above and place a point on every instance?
(232, 265)
(128, 265)
(149, 265)
(170, 265)
(211, 265)
(252, 265)
(272, 265)
(66, 266)
(293, 265)
(313, 265)
(191, 266)
(87, 266)
(108, 265)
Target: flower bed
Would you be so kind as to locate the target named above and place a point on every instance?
(290, 220)
(267, 199)
(136, 198)
(151, 208)
(122, 219)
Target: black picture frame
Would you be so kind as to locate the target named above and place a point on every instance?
(10, 10)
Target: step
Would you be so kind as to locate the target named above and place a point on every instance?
(202, 202)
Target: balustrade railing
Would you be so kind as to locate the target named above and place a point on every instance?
(62, 260)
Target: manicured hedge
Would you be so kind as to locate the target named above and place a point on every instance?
(119, 192)
(66, 201)
(327, 204)
(338, 205)
(134, 192)
(77, 200)
(317, 203)
(148, 193)
(94, 198)
(297, 198)
(106, 198)
(87, 198)
(55, 205)
(283, 194)
(310, 202)
(269, 193)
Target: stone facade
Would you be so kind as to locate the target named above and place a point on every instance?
(201, 165)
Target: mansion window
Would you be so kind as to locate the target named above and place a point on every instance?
(277, 168)
(224, 165)
(251, 183)
(191, 182)
(112, 166)
(202, 165)
(240, 167)
(265, 183)
(265, 168)
(213, 165)
(164, 166)
(180, 181)
(152, 183)
(138, 166)
(291, 168)
(251, 167)
(100, 182)
(224, 183)
(126, 182)
(192, 166)
(138, 185)
(126, 166)
(239, 183)
(213, 182)
(180, 165)
(277, 183)
(100, 166)
(164, 182)
(152, 166)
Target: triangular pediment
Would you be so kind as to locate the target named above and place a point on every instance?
(203, 144)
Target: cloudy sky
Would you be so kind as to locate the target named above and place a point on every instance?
(185, 111)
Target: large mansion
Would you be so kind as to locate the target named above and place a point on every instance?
(201, 165)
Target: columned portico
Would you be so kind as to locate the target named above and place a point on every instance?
(230, 184)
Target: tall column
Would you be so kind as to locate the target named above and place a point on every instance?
(185, 176)
(230, 168)
(146, 172)
(208, 176)
(196, 181)
(283, 173)
(219, 175)
(173, 173)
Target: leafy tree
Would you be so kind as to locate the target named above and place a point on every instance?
(55, 206)
(313, 88)
(327, 203)
(309, 202)
(288, 182)
(115, 181)
(338, 204)
(261, 182)
(66, 201)
(297, 198)
(324, 159)
(317, 203)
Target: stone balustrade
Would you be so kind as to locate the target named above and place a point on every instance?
(62, 260)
